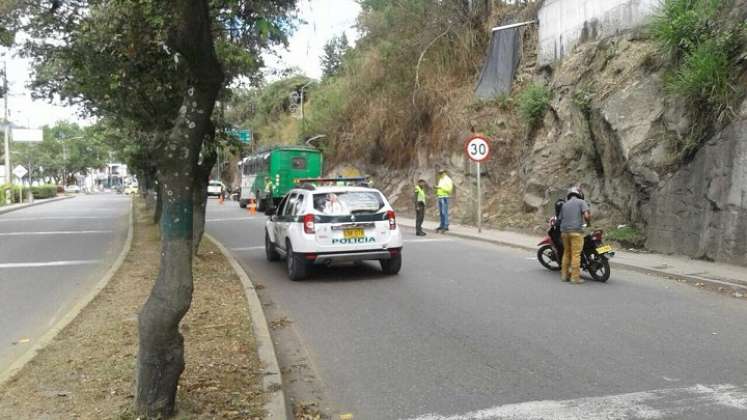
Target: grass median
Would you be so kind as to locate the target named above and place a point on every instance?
(88, 370)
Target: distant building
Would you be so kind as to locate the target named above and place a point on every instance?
(565, 23)
(108, 176)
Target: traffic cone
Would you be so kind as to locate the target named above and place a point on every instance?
(252, 207)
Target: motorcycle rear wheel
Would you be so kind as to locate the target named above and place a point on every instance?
(599, 267)
(548, 258)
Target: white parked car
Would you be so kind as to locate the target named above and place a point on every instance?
(215, 188)
(329, 224)
(72, 189)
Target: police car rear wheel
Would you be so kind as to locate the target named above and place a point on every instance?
(392, 265)
(297, 267)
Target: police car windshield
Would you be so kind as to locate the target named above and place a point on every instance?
(347, 203)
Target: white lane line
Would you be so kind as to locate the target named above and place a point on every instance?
(656, 404)
(48, 264)
(249, 248)
(232, 218)
(56, 232)
(34, 219)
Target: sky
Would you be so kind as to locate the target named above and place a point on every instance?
(324, 19)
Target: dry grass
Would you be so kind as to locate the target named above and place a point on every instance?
(88, 371)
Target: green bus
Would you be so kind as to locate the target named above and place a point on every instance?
(268, 175)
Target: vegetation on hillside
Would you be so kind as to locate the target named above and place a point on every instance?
(704, 50)
(404, 86)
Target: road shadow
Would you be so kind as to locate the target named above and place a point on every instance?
(346, 272)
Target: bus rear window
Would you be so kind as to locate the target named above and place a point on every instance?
(298, 163)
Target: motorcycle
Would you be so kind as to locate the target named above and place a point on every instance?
(594, 256)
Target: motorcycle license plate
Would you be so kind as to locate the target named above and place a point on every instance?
(353, 233)
(604, 249)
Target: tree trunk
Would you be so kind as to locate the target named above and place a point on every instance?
(202, 176)
(161, 346)
(161, 351)
(159, 204)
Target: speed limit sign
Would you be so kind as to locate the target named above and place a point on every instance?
(477, 148)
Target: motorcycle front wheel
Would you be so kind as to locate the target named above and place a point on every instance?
(548, 258)
(599, 267)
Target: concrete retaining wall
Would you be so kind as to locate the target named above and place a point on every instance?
(564, 23)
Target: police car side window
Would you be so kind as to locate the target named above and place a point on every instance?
(281, 206)
(290, 206)
(298, 208)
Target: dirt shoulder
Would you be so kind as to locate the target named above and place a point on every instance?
(88, 370)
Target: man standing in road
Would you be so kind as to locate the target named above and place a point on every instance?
(419, 207)
(443, 191)
(268, 191)
(574, 213)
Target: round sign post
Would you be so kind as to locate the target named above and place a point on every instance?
(477, 148)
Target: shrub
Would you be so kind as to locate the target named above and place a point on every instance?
(582, 99)
(44, 191)
(15, 193)
(627, 236)
(533, 102)
(681, 25)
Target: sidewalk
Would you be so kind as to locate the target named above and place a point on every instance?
(717, 275)
(13, 207)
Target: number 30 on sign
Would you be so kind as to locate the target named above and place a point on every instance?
(477, 148)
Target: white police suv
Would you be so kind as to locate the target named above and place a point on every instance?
(325, 224)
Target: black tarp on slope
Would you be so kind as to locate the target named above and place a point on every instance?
(497, 74)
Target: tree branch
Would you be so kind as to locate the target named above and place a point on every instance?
(420, 60)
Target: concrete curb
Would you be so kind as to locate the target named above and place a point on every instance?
(45, 339)
(272, 379)
(35, 203)
(736, 287)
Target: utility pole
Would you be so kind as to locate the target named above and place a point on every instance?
(303, 119)
(8, 178)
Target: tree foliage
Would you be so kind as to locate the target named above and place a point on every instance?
(333, 56)
(154, 69)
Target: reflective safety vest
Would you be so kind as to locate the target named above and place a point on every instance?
(419, 194)
(268, 186)
(445, 187)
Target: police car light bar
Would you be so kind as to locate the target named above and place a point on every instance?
(351, 179)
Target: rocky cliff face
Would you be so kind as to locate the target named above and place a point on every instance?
(609, 128)
(613, 128)
(701, 209)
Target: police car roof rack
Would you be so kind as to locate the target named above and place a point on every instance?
(312, 183)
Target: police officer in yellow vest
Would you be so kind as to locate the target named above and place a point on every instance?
(444, 189)
(419, 207)
(268, 191)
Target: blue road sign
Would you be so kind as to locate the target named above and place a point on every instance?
(244, 135)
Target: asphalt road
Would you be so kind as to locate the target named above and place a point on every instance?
(50, 257)
(472, 330)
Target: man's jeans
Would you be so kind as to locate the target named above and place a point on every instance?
(573, 243)
(443, 212)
